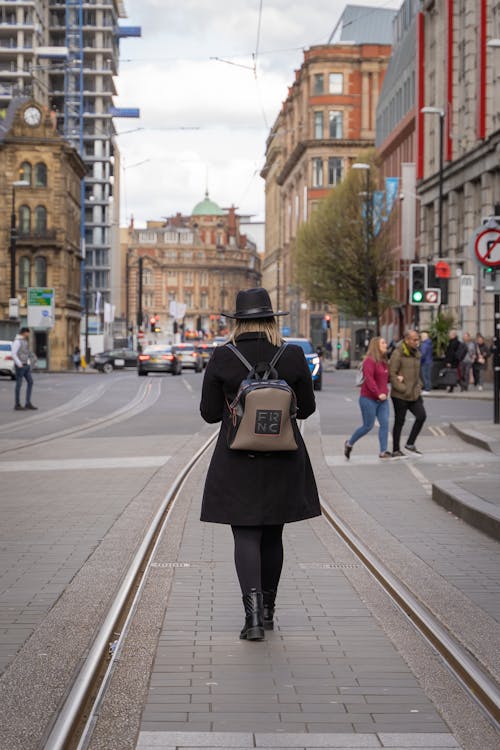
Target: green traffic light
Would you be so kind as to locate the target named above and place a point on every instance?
(417, 296)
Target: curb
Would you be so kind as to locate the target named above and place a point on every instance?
(476, 438)
(468, 507)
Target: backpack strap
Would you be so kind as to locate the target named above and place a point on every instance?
(247, 364)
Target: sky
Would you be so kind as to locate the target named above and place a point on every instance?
(209, 78)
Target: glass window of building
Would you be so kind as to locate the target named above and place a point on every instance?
(171, 296)
(188, 298)
(336, 83)
(40, 219)
(318, 124)
(335, 170)
(203, 278)
(317, 172)
(40, 175)
(40, 271)
(24, 272)
(188, 277)
(335, 124)
(24, 220)
(172, 274)
(204, 300)
(318, 83)
(25, 172)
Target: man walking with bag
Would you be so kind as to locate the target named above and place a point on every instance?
(21, 357)
(406, 384)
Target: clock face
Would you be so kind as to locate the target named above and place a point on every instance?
(32, 116)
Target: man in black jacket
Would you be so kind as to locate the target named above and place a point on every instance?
(455, 352)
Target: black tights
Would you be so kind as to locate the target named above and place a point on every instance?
(258, 556)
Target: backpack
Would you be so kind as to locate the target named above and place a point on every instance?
(263, 410)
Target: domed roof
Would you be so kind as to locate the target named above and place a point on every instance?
(206, 207)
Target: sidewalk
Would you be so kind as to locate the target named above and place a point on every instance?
(477, 502)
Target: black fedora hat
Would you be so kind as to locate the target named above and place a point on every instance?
(253, 303)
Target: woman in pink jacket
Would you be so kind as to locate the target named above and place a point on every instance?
(373, 397)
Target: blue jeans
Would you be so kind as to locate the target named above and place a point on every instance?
(426, 368)
(371, 410)
(23, 372)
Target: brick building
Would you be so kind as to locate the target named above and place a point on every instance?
(47, 212)
(200, 261)
(327, 119)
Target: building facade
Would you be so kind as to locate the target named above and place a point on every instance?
(70, 66)
(327, 119)
(191, 268)
(45, 211)
(458, 68)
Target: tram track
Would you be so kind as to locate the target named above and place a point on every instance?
(145, 397)
(74, 724)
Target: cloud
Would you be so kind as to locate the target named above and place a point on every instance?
(170, 76)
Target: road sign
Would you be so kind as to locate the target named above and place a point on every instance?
(41, 307)
(432, 297)
(487, 247)
(466, 291)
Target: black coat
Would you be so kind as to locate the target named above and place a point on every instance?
(244, 489)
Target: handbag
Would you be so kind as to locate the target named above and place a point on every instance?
(360, 376)
(448, 376)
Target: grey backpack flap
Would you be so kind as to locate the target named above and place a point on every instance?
(263, 410)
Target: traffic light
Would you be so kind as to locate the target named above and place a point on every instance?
(417, 283)
(152, 324)
(437, 282)
(328, 321)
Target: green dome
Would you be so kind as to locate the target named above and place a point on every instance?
(206, 207)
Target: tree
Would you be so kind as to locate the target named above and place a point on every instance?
(333, 261)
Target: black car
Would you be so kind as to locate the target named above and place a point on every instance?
(159, 358)
(115, 359)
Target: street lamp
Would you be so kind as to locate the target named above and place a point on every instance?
(366, 167)
(13, 240)
(440, 112)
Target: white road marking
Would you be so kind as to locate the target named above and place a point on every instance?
(420, 477)
(70, 464)
(187, 384)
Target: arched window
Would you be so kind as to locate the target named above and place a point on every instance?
(25, 172)
(40, 219)
(40, 175)
(24, 272)
(40, 271)
(24, 220)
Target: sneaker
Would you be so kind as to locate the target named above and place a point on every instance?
(347, 450)
(18, 407)
(30, 406)
(398, 454)
(385, 454)
(480, 388)
(413, 449)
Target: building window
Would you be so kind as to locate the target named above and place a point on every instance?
(204, 301)
(188, 277)
(171, 296)
(204, 278)
(40, 175)
(335, 124)
(171, 275)
(336, 83)
(318, 83)
(335, 170)
(25, 172)
(148, 300)
(147, 276)
(318, 124)
(317, 172)
(188, 299)
(40, 219)
(40, 271)
(24, 272)
(24, 220)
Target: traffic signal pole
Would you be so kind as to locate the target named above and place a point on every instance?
(496, 361)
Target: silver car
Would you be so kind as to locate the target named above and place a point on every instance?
(6, 360)
(191, 357)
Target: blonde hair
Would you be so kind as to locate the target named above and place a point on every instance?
(268, 326)
(373, 350)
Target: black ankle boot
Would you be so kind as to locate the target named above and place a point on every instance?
(253, 630)
(269, 599)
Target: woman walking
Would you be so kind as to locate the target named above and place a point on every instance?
(257, 493)
(373, 397)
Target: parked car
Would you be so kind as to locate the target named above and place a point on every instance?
(190, 356)
(114, 359)
(206, 350)
(6, 361)
(313, 360)
(159, 358)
